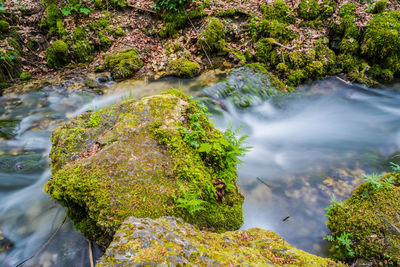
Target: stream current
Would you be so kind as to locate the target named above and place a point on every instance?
(305, 147)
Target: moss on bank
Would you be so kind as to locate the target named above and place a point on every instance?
(124, 64)
(366, 226)
(57, 55)
(159, 156)
(183, 68)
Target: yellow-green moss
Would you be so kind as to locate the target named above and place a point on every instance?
(183, 68)
(212, 38)
(271, 29)
(369, 218)
(124, 64)
(379, 7)
(10, 65)
(4, 26)
(152, 160)
(171, 242)
(278, 10)
(83, 51)
(53, 21)
(308, 9)
(57, 55)
(78, 34)
(25, 76)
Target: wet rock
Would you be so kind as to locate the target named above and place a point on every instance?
(156, 157)
(91, 83)
(366, 226)
(103, 78)
(176, 243)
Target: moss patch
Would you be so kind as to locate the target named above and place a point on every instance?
(212, 38)
(183, 68)
(57, 55)
(123, 65)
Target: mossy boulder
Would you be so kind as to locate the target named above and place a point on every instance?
(277, 10)
(25, 76)
(308, 9)
(83, 51)
(123, 65)
(366, 226)
(10, 64)
(53, 20)
(4, 26)
(212, 38)
(169, 241)
(183, 68)
(160, 156)
(381, 43)
(57, 55)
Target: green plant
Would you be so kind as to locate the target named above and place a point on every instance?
(335, 203)
(75, 6)
(395, 167)
(191, 200)
(2, 8)
(169, 4)
(343, 240)
(372, 179)
(94, 120)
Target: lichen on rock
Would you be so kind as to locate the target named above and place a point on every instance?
(368, 222)
(169, 241)
(160, 156)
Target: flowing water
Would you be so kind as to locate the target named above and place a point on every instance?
(306, 147)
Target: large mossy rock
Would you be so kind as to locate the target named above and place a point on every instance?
(160, 156)
(366, 226)
(169, 241)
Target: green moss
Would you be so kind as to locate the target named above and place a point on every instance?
(4, 26)
(78, 34)
(183, 68)
(83, 51)
(123, 64)
(10, 65)
(159, 242)
(349, 45)
(271, 29)
(25, 76)
(381, 37)
(118, 32)
(105, 42)
(53, 18)
(348, 62)
(176, 20)
(15, 44)
(212, 38)
(145, 159)
(278, 10)
(370, 217)
(57, 55)
(308, 9)
(380, 6)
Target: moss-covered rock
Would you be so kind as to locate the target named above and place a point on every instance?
(308, 9)
(23, 163)
(367, 225)
(379, 7)
(25, 76)
(278, 10)
(83, 51)
(123, 65)
(212, 38)
(10, 65)
(183, 68)
(53, 20)
(4, 26)
(169, 241)
(382, 36)
(8, 128)
(57, 55)
(156, 157)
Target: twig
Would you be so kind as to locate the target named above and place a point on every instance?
(264, 183)
(90, 253)
(45, 244)
(141, 9)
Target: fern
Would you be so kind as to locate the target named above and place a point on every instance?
(372, 179)
(395, 167)
(191, 200)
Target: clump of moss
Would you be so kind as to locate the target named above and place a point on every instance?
(183, 68)
(57, 55)
(366, 225)
(15, 44)
(123, 65)
(10, 65)
(4, 26)
(176, 20)
(212, 38)
(271, 29)
(82, 51)
(278, 10)
(308, 9)
(379, 7)
(53, 20)
(160, 156)
(78, 34)
(25, 76)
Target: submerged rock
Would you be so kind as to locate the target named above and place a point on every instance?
(169, 241)
(8, 128)
(366, 226)
(160, 156)
(5, 243)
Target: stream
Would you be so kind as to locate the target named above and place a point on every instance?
(306, 146)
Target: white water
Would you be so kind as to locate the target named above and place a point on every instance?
(328, 131)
